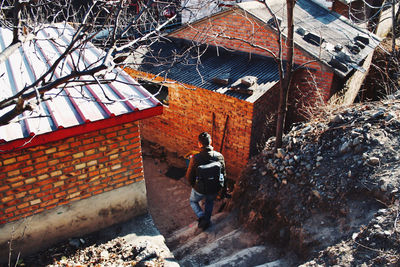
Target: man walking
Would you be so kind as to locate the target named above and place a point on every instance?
(205, 173)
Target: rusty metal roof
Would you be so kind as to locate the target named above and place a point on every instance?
(65, 109)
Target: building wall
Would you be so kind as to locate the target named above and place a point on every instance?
(304, 95)
(264, 123)
(385, 22)
(41, 179)
(190, 112)
(244, 33)
(358, 11)
(341, 8)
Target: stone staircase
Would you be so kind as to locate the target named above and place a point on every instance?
(223, 244)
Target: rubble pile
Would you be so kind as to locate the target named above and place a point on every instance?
(117, 252)
(334, 179)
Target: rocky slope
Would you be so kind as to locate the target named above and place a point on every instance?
(332, 192)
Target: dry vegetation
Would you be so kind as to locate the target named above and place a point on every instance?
(383, 78)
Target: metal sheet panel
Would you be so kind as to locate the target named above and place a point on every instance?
(73, 105)
(200, 71)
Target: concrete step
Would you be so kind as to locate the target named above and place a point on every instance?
(181, 236)
(278, 263)
(223, 244)
(236, 248)
(224, 247)
(251, 256)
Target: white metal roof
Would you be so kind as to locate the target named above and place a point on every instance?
(74, 104)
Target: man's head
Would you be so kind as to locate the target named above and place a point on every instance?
(204, 139)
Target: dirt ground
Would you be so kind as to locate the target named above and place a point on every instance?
(168, 198)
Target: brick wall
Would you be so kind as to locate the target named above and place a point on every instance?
(41, 178)
(357, 11)
(235, 23)
(340, 8)
(305, 80)
(305, 96)
(190, 112)
(264, 123)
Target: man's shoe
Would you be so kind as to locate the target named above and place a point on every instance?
(200, 222)
(204, 224)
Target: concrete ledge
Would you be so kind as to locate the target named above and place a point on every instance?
(74, 219)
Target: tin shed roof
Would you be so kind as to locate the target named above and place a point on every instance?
(322, 33)
(203, 65)
(73, 109)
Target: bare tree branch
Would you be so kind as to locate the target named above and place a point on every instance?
(26, 18)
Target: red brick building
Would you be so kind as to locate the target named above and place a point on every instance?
(201, 63)
(229, 116)
(74, 164)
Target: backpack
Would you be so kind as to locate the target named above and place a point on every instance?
(209, 178)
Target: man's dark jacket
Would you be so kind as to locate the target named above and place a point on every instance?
(206, 155)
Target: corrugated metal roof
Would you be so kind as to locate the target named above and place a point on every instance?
(200, 71)
(314, 23)
(73, 105)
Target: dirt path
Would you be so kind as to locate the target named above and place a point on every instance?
(168, 198)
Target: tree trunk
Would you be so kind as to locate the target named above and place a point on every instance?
(16, 21)
(286, 77)
(394, 28)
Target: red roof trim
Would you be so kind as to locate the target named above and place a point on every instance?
(63, 133)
